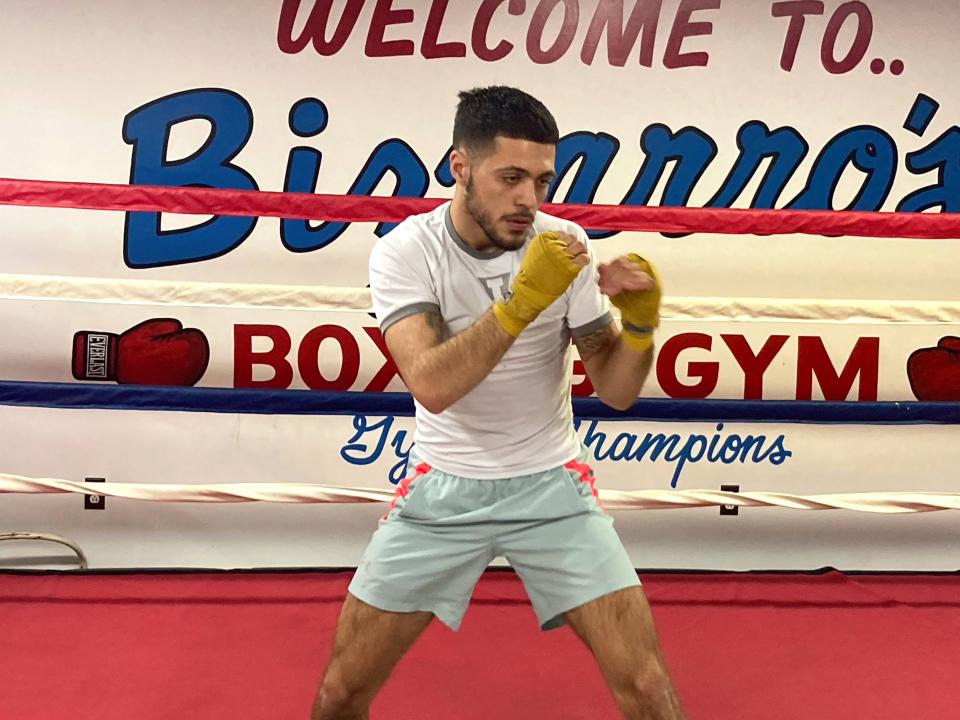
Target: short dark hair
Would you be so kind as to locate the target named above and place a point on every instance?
(484, 113)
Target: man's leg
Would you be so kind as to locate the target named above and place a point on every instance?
(618, 629)
(421, 563)
(576, 570)
(368, 644)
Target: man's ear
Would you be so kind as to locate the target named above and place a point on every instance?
(459, 165)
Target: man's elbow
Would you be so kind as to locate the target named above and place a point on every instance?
(433, 405)
(618, 402)
(616, 397)
(429, 397)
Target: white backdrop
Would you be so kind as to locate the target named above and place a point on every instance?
(859, 113)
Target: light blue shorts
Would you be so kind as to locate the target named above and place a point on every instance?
(443, 530)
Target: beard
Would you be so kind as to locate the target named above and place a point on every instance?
(503, 241)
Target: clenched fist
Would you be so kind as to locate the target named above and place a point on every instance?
(552, 262)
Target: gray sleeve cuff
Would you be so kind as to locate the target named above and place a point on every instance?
(592, 326)
(407, 311)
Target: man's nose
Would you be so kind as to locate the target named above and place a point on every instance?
(526, 196)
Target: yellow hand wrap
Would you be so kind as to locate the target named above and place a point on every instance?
(545, 274)
(640, 309)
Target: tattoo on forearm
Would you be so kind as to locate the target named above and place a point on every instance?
(596, 342)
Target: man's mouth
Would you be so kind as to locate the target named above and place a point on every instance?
(518, 223)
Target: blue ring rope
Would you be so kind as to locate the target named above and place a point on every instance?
(309, 402)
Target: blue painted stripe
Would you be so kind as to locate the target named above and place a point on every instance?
(307, 402)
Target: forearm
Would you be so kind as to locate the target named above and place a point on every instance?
(444, 373)
(621, 374)
(438, 370)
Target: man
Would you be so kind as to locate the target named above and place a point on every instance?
(478, 301)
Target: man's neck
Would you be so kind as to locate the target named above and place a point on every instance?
(467, 228)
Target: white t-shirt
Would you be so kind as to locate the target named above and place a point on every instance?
(519, 419)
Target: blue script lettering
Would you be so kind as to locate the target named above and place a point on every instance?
(309, 118)
(378, 436)
(871, 151)
(785, 148)
(147, 129)
(680, 450)
(685, 154)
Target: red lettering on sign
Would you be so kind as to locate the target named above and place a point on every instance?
(858, 372)
(481, 28)
(308, 358)
(606, 16)
(813, 361)
(389, 369)
(583, 388)
(316, 27)
(244, 358)
(861, 40)
(682, 29)
(707, 372)
(620, 40)
(797, 11)
(383, 16)
(754, 366)
(571, 17)
(432, 48)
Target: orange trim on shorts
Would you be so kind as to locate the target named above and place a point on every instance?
(586, 476)
(403, 487)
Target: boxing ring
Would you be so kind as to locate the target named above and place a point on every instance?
(157, 642)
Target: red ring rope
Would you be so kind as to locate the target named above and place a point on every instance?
(362, 208)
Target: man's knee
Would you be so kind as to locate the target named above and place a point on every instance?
(646, 686)
(338, 700)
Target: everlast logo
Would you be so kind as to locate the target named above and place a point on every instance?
(97, 345)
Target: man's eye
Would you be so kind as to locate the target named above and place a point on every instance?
(512, 179)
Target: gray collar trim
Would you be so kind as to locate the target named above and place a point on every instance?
(461, 243)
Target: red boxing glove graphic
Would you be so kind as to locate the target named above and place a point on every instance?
(155, 352)
(934, 373)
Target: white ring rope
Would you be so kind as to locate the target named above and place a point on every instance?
(47, 537)
(878, 502)
(310, 297)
